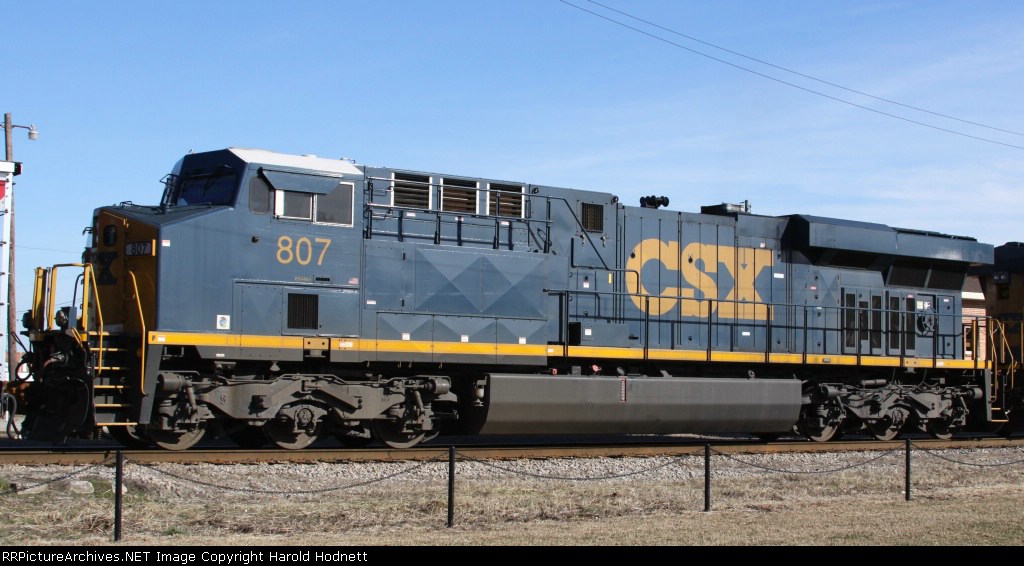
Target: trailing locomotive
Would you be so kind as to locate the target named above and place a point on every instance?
(284, 298)
(1001, 284)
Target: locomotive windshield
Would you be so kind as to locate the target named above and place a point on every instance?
(217, 187)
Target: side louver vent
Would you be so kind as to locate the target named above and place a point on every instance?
(303, 311)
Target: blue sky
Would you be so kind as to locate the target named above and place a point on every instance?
(534, 91)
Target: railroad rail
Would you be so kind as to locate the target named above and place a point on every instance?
(83, 455)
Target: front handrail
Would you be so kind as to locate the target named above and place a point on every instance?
(142, 326)
(87, 284)
(48, 279)
(39, 298)
(1004, 363)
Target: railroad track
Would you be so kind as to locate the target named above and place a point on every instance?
(83, 455)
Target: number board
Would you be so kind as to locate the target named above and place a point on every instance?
(138, 248)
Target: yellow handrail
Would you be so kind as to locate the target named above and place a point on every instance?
(142, 324)
(89, 293)
(39, 298)
(90, 283)
(1004, 362)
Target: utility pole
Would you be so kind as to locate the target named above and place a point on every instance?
(12, 313)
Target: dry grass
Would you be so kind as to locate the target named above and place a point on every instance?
(950, 505)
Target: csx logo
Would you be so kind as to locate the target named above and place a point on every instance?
(707, 270)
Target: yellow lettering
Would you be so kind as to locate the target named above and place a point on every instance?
(284, 250)
(327, 243)
(703, 267)
(303, 251)
(698, 261)
(652, 250)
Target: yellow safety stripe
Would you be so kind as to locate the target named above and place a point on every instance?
(546, 350)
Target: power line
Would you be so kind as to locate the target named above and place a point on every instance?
(47, 250)
(787, 83)
(798, 73)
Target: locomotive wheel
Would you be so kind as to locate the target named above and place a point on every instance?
(283, 434)
(883, 431)
(128, 436)
(392, 434)
(940, 429)
(825, 422)
(825, 433)
(177, 440)
(889, 426)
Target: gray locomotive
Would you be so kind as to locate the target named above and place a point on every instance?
(282, 298)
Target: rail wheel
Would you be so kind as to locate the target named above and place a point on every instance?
(395, 435)
(284, 435)
(882, 430)
(889, 426)
(824, 433)
(128, 436)
(822, 422)
(940, 429)
(176, 439)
